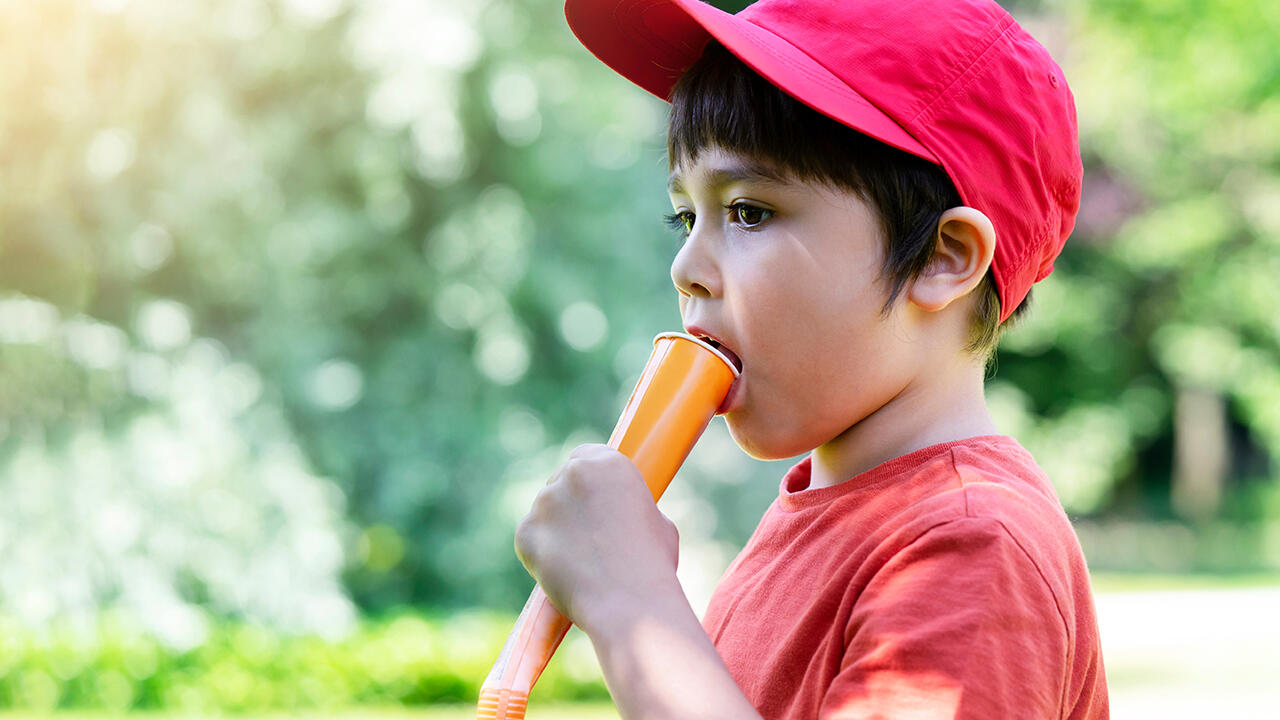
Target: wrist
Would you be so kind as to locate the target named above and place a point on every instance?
(614, 614)
(658, 661)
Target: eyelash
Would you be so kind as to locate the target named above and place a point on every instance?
(682, 221)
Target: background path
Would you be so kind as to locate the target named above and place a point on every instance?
(1200, 653)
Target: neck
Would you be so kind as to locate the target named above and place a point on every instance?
(942, 407)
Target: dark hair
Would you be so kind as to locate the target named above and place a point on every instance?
(720, 101)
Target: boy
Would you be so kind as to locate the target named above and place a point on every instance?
(869, 188)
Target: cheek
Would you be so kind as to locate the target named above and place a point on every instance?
(787, 411)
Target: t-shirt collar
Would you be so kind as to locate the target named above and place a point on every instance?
(794, 492)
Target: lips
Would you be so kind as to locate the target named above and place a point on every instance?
(734, 399)
(714, 342)
(731, 355)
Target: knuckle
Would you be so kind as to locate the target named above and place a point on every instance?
(576, 472)
(587, 450)
(522, 540)
(526, 541)
(544, 504)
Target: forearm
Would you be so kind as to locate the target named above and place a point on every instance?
(659, 663)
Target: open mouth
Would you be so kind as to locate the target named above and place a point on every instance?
(724, 350)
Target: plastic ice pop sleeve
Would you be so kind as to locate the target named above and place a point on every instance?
(681, 387)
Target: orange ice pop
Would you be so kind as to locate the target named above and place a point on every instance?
(681, 387)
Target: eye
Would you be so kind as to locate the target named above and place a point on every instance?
(681, 221)
(748, 215)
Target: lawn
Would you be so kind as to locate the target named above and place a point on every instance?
(1175, 647)
(582, 711)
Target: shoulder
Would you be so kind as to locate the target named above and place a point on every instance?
(993, 551)
(995, 483)
(998, 515)
(1005, 486)
(963, 604)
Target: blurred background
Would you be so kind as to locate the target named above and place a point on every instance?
(302, 300)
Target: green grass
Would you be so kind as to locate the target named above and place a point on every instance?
(1110, 582)
(1221, 650)
(555, 711)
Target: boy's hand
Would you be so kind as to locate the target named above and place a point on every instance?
(594, 538)
(606, 558)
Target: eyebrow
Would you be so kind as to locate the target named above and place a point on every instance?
(736, 171)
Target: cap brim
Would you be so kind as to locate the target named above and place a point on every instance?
(652, 43)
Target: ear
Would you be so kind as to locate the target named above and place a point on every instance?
(964, 245)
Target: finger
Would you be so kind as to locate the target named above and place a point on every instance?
(555, 475)
(672, 530)
(673, 538)
(524, 543)
(587, 450)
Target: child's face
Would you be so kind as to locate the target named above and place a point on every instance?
(786, 274)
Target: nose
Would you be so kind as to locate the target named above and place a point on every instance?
(694, 271)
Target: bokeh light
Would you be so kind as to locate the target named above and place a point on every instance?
(302, 301)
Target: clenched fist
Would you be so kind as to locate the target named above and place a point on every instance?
(594, 538)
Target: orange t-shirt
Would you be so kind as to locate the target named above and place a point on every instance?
(946, 583)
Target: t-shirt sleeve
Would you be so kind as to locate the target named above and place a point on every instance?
(957, 624)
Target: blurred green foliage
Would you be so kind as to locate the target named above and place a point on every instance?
(1168, 288)
(353, 206)
(303, 299)
(115, 665)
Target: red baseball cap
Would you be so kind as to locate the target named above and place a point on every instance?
(956, 82)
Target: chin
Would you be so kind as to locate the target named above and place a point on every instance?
(765, 444)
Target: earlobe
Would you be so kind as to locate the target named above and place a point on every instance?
(965, 243)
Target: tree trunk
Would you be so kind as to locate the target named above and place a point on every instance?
(1201, 453)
